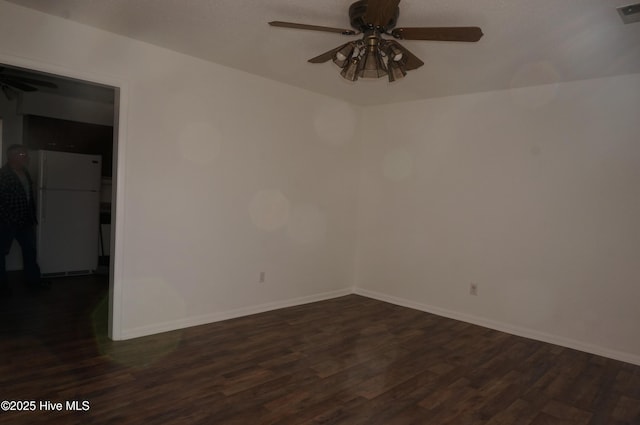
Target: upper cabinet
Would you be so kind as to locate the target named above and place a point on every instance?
(70, 136)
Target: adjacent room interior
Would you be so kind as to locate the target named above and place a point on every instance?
(300, 248)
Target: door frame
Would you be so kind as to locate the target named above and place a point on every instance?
(121, 88)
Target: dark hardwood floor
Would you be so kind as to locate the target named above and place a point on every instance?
(350, 360)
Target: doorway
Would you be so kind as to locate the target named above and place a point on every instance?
(61, 111)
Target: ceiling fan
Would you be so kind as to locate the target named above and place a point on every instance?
(374, 56)
(12, 84)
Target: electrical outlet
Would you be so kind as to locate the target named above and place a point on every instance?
(473, 289)
(262, 277)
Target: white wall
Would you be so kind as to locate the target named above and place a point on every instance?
(532, 194)
(222, 175)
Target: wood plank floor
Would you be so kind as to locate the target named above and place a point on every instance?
(350, 360)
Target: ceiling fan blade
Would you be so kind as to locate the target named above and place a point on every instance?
(439, 34)
(17, 84)
(312, 27)
(33, 82)
(327, 55)
(409, 60)
(380, 12)
(9, 93)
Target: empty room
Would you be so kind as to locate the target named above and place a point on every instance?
(380, 212)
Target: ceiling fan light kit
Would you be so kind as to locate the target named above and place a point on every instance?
(374, 56)
(350, 72)
(396, 71)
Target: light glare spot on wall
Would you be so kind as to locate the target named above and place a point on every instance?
(269, 210)
(307, 225)
(397, 165)
(335, 124)
(200, 142)
(544, 76)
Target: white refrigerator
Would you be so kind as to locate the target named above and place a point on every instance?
(67, 187)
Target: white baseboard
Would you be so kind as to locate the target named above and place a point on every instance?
(503, 327)
(476, 320)
(217, 317)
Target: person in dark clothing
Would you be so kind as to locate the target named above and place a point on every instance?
(18, 217)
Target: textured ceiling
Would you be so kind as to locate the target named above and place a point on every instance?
(526, 42)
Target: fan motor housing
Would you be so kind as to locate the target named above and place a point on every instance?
(358, 11)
